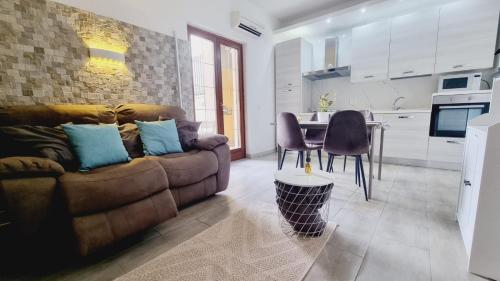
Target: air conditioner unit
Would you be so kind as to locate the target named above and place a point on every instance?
(237, 21)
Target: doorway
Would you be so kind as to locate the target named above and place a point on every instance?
(218, 87)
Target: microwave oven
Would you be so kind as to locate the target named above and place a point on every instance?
(459, 82)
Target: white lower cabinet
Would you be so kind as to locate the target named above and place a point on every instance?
(407, 137)
(478, 206)
(446, 150)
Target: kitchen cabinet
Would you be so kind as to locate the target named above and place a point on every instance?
(413, 44)
(448, 151)
(408, 135)
(478, 207)
(292, 58)
(467, 35)
(370, 52)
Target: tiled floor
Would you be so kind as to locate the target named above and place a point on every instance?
(407, 232)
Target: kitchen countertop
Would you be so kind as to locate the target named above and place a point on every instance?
(391, 111)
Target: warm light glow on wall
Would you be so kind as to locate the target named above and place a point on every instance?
(101, 44)
(106, 66)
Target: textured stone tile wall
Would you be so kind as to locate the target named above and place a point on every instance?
(44, 59)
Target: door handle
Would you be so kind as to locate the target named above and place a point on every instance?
(453, 142)
(467, 183)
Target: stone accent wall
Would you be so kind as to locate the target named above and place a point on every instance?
(44, 59)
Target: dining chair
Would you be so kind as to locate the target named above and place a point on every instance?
(346, 134)
(368, 117)
(291, 138)
(315, 136)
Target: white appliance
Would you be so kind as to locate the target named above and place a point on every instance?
(246, 25)
(459, 82)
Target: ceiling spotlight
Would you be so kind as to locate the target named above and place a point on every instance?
(328, 20)
(363, 10)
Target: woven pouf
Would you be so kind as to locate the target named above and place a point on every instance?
(303, 202)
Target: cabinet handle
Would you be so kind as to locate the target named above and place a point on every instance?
(408, 72)
(289, 84)
(405, 117)
(453, 142)
(369, 76)
(458, 66)
(467, 183)
(289, 90)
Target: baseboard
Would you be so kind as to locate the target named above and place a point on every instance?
(260, 154)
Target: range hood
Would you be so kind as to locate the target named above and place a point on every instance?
(331, 68)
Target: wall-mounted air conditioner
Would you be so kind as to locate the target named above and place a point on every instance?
(242, 23)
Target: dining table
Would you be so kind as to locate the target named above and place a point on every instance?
(371, 125)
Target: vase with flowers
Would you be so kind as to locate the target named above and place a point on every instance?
(325, 102)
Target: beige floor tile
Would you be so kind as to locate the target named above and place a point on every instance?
(334, 264)
(390, 260)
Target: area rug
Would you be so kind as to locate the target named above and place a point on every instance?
(248, 245)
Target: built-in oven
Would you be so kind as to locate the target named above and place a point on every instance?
(451, 112)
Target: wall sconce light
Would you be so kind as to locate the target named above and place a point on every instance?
(107, 55)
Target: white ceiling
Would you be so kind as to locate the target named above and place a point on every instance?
(286, 11)
(345, 17)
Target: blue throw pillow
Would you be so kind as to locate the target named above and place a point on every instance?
(96, 145)
(159, 137)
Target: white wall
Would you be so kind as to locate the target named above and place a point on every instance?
(377, 95)
(214, 16)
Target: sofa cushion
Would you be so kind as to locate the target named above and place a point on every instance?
(53, 115)
(96, 231)
(113, 186)
(187, 168)
(131, 139)
(38, 141)
(29, 167)
(128, 113)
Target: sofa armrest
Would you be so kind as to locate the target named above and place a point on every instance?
(18, 167)
(210, 141)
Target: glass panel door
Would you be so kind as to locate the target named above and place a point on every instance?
(218, 87)
(231, 95)
(202, 52)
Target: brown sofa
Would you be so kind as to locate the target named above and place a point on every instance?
(107, 204)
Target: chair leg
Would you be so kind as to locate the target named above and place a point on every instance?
(368, 155)
(363, 177)
(328, 163)
(331, 164)
(298, 159)
(356, 170)
(320, 161)
(282, 159)
(302, 159)
(359, 172)
(345, 161)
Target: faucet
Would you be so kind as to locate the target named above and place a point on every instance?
(394, 104)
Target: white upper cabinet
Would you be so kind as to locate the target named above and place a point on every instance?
(413, 44)
(467, 35)
(370, 52)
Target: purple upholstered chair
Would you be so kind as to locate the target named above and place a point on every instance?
(290, 138)
(315, 136)
(368, 117)
(346, 135)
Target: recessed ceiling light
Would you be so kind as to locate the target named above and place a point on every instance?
(363, 10)
(328, 20)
